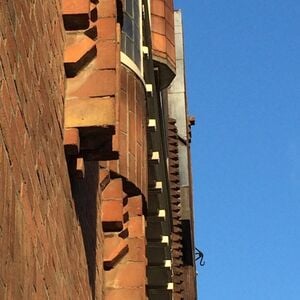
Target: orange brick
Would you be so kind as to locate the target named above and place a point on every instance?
(123, 111)
(132, 168)
(131, 91)
(92, 83)
(123, 155)
(158, 24)
(76, 14)
(106, 28)
(114, 248)
(75, 6)
(77, 49)
(132, 294)
(113, 191)
(135, 206)
(77, 54)
(137, 250)
(139, 167)
(71, 141)
(159, 42)
(158, 7)
(107, 8)
(136, 227)
(132, 133)
(123, 82)
(169, 15)
(170, 34)
(112, 214)
(106, 58)
(139, 123)
(129, 275)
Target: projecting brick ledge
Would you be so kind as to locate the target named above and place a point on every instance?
(90, 112)
(76, 14)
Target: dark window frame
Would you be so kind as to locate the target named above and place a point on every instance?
(131, 31)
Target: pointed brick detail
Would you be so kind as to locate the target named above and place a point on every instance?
(124, 252)
(114, 249)
(175, 208)
(112, 215)
(114, 190)
(78, 53)
(176, 236)
(177, 229)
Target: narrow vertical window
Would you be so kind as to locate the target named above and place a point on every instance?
(131, 35)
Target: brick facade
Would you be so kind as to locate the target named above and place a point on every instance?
(42, 252)
(90, 203)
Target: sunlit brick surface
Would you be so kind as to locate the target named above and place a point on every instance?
(41, 248)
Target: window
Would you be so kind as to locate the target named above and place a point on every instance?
(131, 35)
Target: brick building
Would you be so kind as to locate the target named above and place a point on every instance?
(95, 176)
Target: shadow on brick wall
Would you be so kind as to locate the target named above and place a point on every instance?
(85, 195)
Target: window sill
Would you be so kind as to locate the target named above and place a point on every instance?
(127, 61)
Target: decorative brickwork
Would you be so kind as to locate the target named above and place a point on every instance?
(124, 242)
(92, 63)
(80, 132)
(176, 235)
(105, 120)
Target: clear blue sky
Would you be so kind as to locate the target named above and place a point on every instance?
(243, 77)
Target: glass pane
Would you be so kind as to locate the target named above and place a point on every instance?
(136, 35)
(128, 26)
(136, 10)
(129, 48)
(129, 7)
(130, 41)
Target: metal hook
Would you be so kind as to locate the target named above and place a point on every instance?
(199, 256)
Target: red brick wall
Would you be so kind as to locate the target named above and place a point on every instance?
(42, 252)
